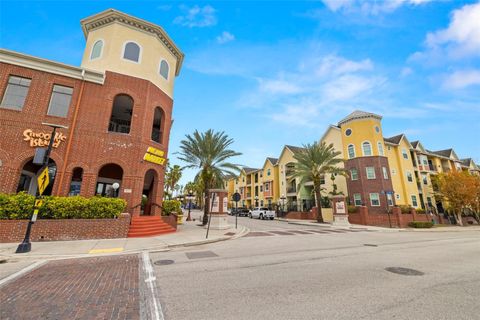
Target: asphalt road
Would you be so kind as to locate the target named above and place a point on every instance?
(323, 276)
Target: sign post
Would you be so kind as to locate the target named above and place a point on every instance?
(236, 197)
(43, 180)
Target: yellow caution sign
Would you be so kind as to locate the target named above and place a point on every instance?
(35, 214)
(43, 180)
(38, 203)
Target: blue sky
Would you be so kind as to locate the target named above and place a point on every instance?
(274, 73)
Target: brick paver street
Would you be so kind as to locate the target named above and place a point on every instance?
(89, 288)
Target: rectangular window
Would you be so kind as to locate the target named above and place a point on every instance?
(429, 201)
(374, 199)
(60, 101)
(267, 186)
(322, 179)
(414, 201)
(425, 180)
(357, 199)
(409, 177)
(261, 188)
(16, 93)
(390, 200)
(354, 174)
(405, 154)
(397, 196)
(370, 172)
(385, 173)
(394, 172)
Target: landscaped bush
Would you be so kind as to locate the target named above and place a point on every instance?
(422, 211)
(171, 206)
(352, 209)
(405, 209)
(420, 224)
(20, 206)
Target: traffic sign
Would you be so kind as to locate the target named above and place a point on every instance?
(43, 180)
(236, 197)
(38, 203)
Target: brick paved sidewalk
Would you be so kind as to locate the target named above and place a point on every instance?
(87, 288)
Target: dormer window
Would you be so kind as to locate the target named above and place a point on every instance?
(164, 68)
(131, 52)
(96, 50)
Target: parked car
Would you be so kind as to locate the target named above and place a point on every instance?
(242, 212)
(261, 213)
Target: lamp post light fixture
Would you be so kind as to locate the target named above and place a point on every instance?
(189, 197)
(26, 245)
(115, 187)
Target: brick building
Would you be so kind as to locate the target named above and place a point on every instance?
(117, 106)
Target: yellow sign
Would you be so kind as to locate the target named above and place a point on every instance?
(43, 180)
(35, 213)
(155, 151)
(42, 139)
(38, 203)
(153, 158)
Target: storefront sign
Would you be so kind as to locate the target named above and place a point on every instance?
(154, 155)
(340, 207)
(42, 139)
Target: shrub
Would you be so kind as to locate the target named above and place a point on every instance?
(422, 211)
(171, 206)
(405, 209)
(352, 209)
(420, 224)
(20, 206)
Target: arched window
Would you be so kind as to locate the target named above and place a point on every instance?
(351, 151)
(96, 50)
(380, 148)
(131, 52)
(76, 183)
(164, 68)
(367, 148)
(121, 117)
(157, 130)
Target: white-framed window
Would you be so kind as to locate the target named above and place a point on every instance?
(390, 199)
(267, 186)
(261, 203)
(374, 199)
(132, 51)
(367, 148)
(424, 178)
(397, 196)
(97, 50)
(16, 93)
(354, 174)
(370, 173)
(348, 132)
(60, 101)
(261, 190)
(404, 154)
(380, 148)
(351, 151)
(357, 199)
(377, 129)
(385, 173)
(409, 176)
(268, 172)
(164, 69)
(414, 201)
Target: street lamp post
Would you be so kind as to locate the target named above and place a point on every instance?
(26, 245)
(283, 202)
(189, 197)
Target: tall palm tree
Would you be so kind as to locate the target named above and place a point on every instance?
(314, 162)
(173, 175)
(208, 152)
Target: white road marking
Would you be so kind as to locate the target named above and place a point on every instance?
(153, 302)
(22, 272)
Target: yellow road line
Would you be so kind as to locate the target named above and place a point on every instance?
(105, 250)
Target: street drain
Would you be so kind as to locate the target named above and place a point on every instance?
(404, 271)
(370, 245)
(163, 262)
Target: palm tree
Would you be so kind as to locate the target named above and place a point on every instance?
(208, 152)
(314, 161)
(173, 175)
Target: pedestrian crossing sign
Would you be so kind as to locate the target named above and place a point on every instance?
(43, 180)
(38, 203)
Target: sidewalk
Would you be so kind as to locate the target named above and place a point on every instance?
(314, 223)
(188, 234)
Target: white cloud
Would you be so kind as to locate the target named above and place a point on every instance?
(225, 37)
(348, 87)
(278, 86)
(462, 79)
(197, 16)
(406, 71)
(368, 7)
(459, 40)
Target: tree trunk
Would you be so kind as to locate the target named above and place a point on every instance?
(206, 208)
(459, 218)
(318, 197)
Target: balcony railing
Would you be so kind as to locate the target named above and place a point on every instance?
(292, 190)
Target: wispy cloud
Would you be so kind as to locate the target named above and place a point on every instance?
(197, 16)
(368, 7)
(225, 37)
(462, 79)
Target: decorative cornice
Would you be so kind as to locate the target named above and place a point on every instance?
(113, 16)
(28, 61)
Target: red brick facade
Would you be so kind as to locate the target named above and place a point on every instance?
(88, 145)
(65, 229)
(364, 186)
